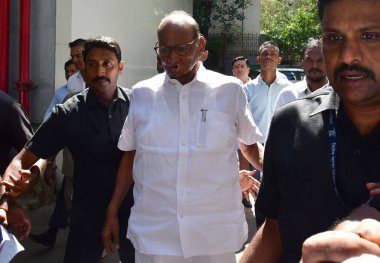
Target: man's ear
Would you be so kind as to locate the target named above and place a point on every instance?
(121, 66)
(202, 43)
(258, 59)
(279, 60)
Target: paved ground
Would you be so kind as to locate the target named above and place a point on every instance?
(35, 253)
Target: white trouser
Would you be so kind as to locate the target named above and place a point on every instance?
(223, 258)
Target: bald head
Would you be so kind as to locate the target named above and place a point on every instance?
(180, 46)
(179, 19)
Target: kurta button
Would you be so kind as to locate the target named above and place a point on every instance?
(110, 116)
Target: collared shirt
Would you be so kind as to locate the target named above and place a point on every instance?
(90, 130)
(15, 129)
(262, 98)
(76, 83)
(297, 187)
(58, 97)
(187, 193)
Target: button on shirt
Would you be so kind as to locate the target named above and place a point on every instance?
(187, 193)
(262, 98)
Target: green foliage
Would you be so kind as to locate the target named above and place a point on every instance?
(226, 12)
(209, 13)
(290, 26)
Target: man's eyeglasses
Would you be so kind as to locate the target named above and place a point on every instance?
(181, 49)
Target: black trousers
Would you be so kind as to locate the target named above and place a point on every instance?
(85, 244)
(60, 215)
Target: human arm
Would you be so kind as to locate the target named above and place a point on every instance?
(22, 173)
(124, 180)
(265, 246)
(358, 234)
(254, 153)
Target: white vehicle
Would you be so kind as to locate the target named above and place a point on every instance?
(293, 74)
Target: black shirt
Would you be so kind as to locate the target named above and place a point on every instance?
(15, 129)
(91, 131)
(297, 187)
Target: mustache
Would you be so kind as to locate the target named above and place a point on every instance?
(338, 71)
(101, 78)
(315, 70)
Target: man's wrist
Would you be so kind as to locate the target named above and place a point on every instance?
(4, 204)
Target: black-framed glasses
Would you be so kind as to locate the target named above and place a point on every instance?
(181, 49)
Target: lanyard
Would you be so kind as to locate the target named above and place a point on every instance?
(333, 143)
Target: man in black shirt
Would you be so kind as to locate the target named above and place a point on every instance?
(323, 152)
(89, 124)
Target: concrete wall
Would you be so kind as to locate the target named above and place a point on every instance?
(132, 23)
(42, 53)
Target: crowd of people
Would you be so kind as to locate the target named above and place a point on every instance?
(140, 159)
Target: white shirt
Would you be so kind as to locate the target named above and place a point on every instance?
(76, 83)
(262, 98)
(295, 91)
(187, 198)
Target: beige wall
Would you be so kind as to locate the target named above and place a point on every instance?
(132, 23)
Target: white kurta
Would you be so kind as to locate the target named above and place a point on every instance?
(187, 194)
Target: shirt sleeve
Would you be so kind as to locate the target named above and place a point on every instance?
(127, 136)
(20, 126)
(269, 198)
(51, 136)
(247, 131)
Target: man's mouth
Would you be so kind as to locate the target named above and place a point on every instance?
(354, 76)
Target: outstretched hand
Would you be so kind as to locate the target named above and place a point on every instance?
(18, 185)
(249, 184)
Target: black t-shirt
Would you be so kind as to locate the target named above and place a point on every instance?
(297, 187)
(15, 129)
(90, 130)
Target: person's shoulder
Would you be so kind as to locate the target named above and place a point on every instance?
(294, 87)
(126, 92)
(9, 104)
(281, 79)
(73, 77)
(73, 101)
(216, 79)
(309, 103)
(152, 83)
(6, 100)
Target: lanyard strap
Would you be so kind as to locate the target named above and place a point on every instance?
(333, 153)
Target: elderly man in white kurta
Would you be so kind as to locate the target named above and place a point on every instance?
(180, 139)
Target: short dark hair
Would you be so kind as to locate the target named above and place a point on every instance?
(321, 7)
(77, 42)
(312, 42)
(102, 42)
(269, 43)
(68, 63)
(240, 58)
